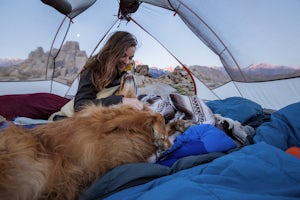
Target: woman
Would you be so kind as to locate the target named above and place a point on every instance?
(103, 71)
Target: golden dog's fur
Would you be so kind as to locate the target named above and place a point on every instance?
(58, 160)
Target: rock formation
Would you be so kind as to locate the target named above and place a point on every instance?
(70, 59)
(67, 65)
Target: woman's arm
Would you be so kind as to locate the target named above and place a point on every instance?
(87, 94)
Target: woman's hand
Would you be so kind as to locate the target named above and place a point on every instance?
(133, 102)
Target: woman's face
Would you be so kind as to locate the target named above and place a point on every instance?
(126, 58)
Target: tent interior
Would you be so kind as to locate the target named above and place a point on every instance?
(254, 43)
(254, 46)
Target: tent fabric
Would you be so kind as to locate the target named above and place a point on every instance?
(257, 45)
(251, 40)
(209, 20)
(239, 38)
(70, 8)
(62, 6)
(160, 3)
(230, 37)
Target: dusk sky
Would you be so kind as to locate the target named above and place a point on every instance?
(29, 24)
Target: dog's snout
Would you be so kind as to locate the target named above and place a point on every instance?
(161, 141)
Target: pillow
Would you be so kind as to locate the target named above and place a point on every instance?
(35, 105)
(194, 109)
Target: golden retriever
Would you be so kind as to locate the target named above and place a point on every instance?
(58, 160)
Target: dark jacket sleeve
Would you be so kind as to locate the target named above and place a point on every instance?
(87, 93)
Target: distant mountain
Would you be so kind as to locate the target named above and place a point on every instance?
(156, 72)
(6, 62)
(263, 71)
(71, 59)
(214, 76)
(211, 76)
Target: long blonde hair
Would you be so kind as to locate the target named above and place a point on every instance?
(103, 64)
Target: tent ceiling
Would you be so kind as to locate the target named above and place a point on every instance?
(70, 8)
(237, 31)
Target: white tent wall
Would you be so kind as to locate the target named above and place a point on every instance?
(272, 94)
(202, 91)
(268, 94)
(73, 89)
(26, 87)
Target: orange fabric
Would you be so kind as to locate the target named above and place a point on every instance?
(294, 151)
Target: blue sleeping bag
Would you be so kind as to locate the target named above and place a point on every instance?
(231, 107)
(259, 171)
(197, 139)
(283, 131)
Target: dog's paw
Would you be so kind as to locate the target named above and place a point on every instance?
(239, 133)
(182, 125)
(218, 117)
(235, 127)
(178, 126)
(229, 123)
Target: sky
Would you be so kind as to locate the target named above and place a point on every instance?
(272, 37)
(29, 24)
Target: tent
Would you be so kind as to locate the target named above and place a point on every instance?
(251, 51)
(254, 43)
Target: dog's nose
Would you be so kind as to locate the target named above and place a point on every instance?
(162, 144)
(129, 75)
(167, 144)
